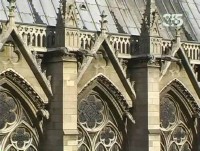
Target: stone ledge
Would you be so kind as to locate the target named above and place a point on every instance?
(71, 132)
(154, 131)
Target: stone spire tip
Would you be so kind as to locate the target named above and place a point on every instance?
(11, 9)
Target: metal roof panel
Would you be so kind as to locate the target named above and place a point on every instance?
(89, 26)
(95, 13)
(102, 3)
(133, 31)
(91, 2)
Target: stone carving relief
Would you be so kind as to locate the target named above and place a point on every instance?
(24, 85)
(102, 62)
(10, 53)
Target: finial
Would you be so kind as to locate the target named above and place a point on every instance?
(178, 36)
(68, 13)
(11, 9)
(103, 22)
(150, 20)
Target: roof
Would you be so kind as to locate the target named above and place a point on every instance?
(124, 16)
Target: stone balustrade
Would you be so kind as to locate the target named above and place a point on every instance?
(122, 44)
(40, 38)
(166, 47)
(87, 39)
(192, 50)
(37, 36)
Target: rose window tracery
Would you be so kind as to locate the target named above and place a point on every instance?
(20, 138)
(116, 147)
(186, 147)
(7, 110)
(16, 131)
(107, 136)
(168, 113)
(179, 135)
(31, 149)
(97, 131)
(176, 135)
(90, 112)
(173, 147)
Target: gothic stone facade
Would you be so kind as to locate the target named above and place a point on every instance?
(66, 88)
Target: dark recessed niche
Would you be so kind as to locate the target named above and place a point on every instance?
(83, 6)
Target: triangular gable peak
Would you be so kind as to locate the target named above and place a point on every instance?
(177, 50)
(103, 42)
(15, 54)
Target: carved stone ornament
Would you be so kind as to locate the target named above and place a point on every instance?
(111, 88)
(11, 15)
(68, 10)
(24, 85)
(177, 85)
(103, 22)
(10, 54)
(150, 60)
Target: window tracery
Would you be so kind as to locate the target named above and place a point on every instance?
(8, 111)
(16, 131)
(97, 131)
(175, 136)
(168, 113)
(91, 112)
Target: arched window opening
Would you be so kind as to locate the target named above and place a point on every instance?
(53, 40)
(98, 128)
(28, 39)
(16, 130)
(177, 133)
(34, 40)
(43, 41)
(39, 40)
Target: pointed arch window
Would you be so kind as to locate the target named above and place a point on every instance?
(176, 132)
(16, 129)
(98, 129)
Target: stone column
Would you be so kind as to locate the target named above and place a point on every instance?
(145, 135)
(61, 131)
(70, 104)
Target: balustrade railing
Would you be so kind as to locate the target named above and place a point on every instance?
(166, 47)
(42, 37)
(87, 39)
(124, 44)
(37, 36)
(192, 50)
